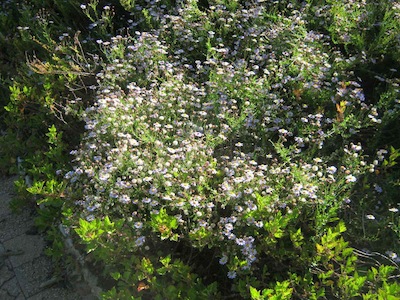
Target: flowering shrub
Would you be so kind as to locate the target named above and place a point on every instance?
(220, 153)
(223, 145)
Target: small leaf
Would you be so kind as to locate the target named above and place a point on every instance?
(320, 248)
(254, 293)
(341, 227)
(116, 275)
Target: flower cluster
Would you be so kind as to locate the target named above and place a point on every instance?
(218, 130)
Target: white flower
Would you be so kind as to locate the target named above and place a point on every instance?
(393, 209)
(231, 274)
(104, 176)
(185, 185)
(152, 190)
(140, 241)
(124, 199)
(392, 255)
(239, 144)
(370, 217)
(134, 142)
(356, 148)
(223, 260)
(146, 200)
(229, 226)
(350, 178)
(138, 225)
(331, 170)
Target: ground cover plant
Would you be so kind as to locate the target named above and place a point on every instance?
(226, 149)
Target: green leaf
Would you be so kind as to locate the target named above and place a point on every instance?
(278, 233)
(162, 271)
(166, 260)
(254, 293)
(341, 227)
(347, 251)
(37, 188)
(297, 238)
(116, 275)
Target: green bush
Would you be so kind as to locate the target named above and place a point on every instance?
(221, 149)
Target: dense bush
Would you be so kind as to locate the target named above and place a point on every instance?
(221, 149)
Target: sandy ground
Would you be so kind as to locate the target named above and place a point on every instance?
(26, 273)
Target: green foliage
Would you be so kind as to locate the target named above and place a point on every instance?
(172, 279)
(391, 161)
(164, 224)
(220, 148)
(128, 4)
(94, 234)
(338, 266)
(280, 291)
